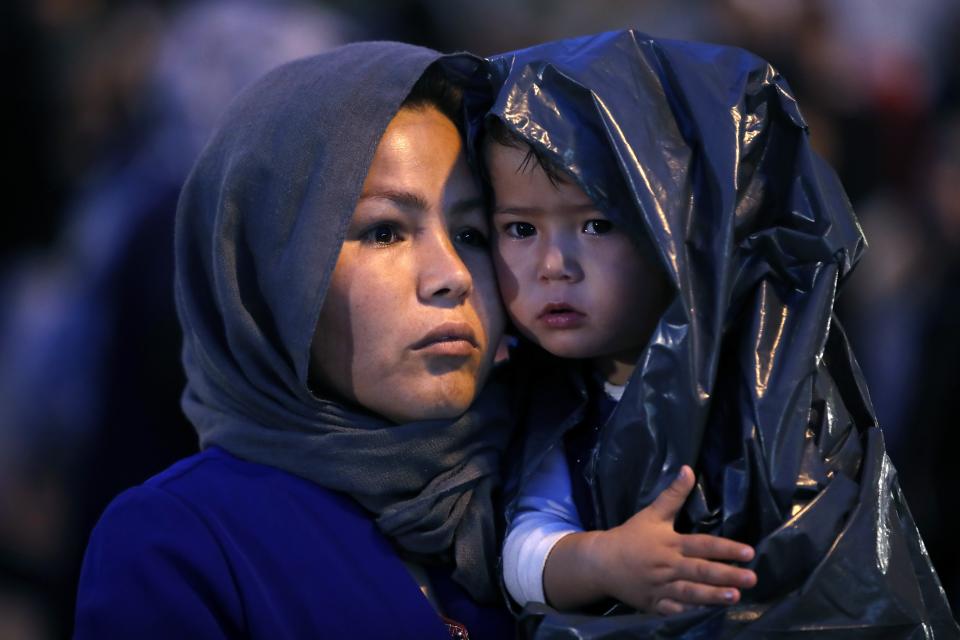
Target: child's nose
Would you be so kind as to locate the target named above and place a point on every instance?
(558, 262)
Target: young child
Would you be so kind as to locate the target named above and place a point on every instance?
(673, 221)
(580, 287)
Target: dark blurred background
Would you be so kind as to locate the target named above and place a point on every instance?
(106, 104)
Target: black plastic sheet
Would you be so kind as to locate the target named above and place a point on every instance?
(702, 150)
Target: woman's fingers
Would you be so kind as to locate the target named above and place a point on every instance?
(701, 545)
(668, 503)
(685, 592)
(715, 573)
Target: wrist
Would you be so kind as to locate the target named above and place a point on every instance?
(573, 574)
(595, 556)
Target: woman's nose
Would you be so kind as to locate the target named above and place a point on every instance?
(443, 274)
(558, 261)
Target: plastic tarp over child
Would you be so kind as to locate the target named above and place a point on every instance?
(748, 376)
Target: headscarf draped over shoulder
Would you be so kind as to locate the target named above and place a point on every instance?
(260, 224)
(702, 151)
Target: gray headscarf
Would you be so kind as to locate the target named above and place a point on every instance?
(259, 227)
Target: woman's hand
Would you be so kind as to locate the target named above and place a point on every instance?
(646, 564)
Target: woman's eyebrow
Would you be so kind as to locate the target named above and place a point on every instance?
(413, 201)
(403, 199)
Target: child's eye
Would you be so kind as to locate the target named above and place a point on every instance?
(381, 234)
(471, 236)
(520, 229)
(597, 227)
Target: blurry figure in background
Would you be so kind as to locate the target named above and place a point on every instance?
(90, 373)
(29, 183)
(906, 322)
(866, 82)
(883, 306)
(500, 25)
(931, 438)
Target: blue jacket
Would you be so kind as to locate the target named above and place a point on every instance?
(217, 547)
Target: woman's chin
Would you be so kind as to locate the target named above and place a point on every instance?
(445, 398)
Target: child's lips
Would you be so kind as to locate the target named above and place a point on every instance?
(558, 315)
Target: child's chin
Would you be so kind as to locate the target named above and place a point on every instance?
(567, 347)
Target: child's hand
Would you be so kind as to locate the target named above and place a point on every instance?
(646, 564)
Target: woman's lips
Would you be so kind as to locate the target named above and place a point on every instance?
(559, 315)
(448, 339)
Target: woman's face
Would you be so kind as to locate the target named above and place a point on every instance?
(412, 319)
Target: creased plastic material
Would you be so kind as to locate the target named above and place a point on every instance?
(748, 377)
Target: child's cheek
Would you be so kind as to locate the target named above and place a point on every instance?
(510, 282)
(507, 279)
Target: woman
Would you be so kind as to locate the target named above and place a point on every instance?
(340, 316)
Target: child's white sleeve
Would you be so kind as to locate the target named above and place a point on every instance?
(544, 514)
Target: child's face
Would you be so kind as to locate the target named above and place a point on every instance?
(572, 282)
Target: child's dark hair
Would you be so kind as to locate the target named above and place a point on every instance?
(495, 131)
(434, 89)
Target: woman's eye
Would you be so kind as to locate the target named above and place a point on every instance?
(597, 227)
(471, 236)
(520, 229)
(382, 234)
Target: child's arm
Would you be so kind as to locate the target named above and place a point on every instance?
(646, 564)
(544, 514)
